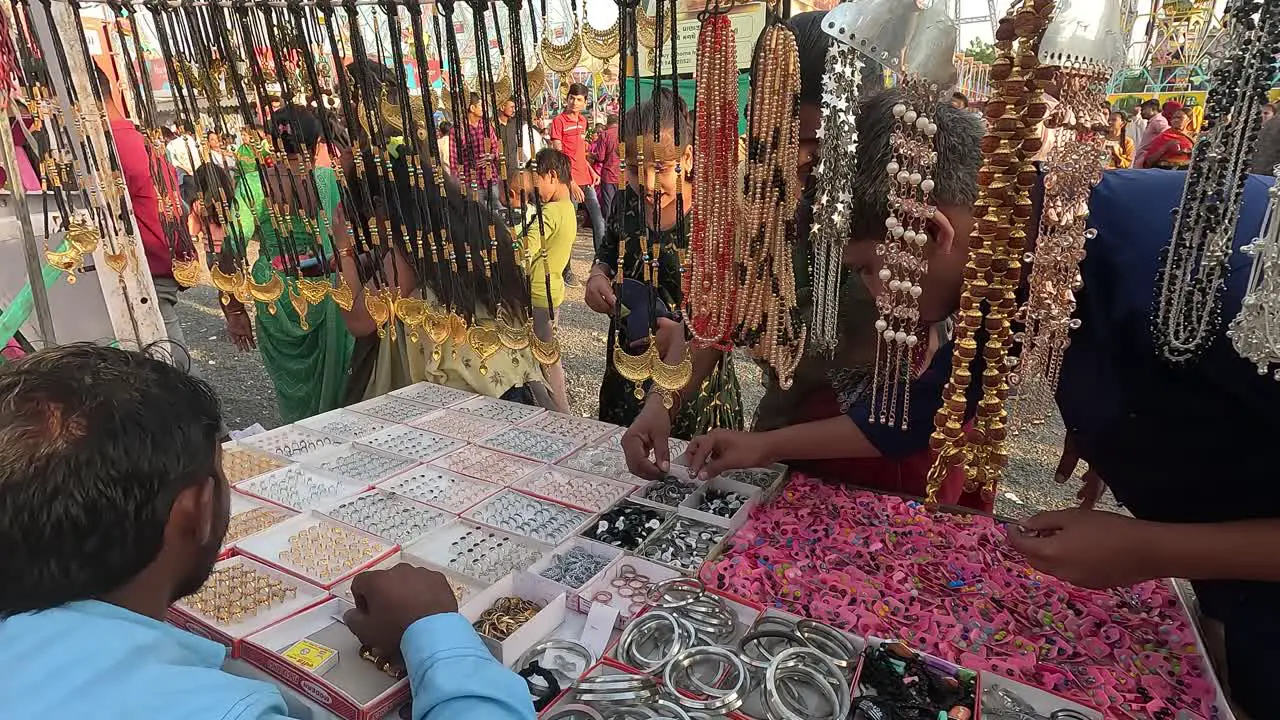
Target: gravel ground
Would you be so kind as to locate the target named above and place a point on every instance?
(248, 396)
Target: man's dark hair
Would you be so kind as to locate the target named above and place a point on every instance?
(473, 99)
(955, 174)
(552, 161)
(812, 43)
(444, 128)
(96, 443)
(1152, 103)
(964, 99)
(578, 89)
(661, 111)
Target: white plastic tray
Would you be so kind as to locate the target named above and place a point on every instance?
(459, 425)
(408, 441)
(310, 488)
(488, 465)
(440, 488)
(345, 424)
(434, 395)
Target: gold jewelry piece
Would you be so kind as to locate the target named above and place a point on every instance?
(233, 593)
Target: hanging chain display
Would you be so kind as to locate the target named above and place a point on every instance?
(710, 288)
(599, 44)
(768, 323)
(1002, 212)
(564, 57)
(841, 89)
(1194, 267)
(910, 171)
(1255, 332)
(1073, 167)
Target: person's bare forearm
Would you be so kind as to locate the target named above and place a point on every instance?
(1238, 550)
(837, 437)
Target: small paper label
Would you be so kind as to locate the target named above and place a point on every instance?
(308, 655)
(599, 627)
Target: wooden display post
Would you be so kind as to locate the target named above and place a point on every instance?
(127, 288)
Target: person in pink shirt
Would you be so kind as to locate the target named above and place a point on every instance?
(1157, 122)
(568, 134)
(605, 152)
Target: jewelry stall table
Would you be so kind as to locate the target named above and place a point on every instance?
(686, 596)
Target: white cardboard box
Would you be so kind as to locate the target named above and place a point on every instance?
(530, 587)
(263, 650)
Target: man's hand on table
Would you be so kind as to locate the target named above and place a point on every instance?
(389, 601)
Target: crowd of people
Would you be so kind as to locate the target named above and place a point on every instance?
(103, 536)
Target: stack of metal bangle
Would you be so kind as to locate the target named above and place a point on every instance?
(793, 671)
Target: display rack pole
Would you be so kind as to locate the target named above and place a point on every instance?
(30, 246)
(129, 293)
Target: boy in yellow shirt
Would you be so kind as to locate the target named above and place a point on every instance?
(549, 242)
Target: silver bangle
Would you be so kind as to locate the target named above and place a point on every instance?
(830, 675)
(667, 594)
(766, 656)
(574, 711)
(774, 703)
(648, 625)
(825, 638)
(616, 688)
(723, 700)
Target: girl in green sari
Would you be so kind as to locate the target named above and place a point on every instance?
(296, 218)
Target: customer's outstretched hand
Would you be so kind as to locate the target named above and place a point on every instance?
(389, 601)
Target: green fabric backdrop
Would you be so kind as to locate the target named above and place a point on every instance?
(687, 91)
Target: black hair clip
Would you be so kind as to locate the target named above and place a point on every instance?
(542, 697)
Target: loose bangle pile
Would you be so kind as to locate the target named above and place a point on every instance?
(506, 616)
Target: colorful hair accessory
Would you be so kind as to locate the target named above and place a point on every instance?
(951, 586)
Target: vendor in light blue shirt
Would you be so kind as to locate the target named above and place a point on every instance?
(113, 504)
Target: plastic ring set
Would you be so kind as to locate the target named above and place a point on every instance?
(530, 444)
(670, 490)
(683, 543)
(363, 465)
(412, 443)
(235, 593)
(295, 487)
(347, 424)
(522, 514)
(397, 519)
(443, 490)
